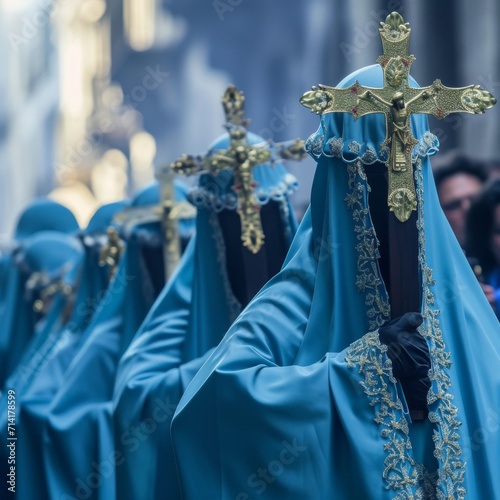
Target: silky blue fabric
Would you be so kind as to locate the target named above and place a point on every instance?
(45, 215)
(57, 258)
(69, 422)
(298, 400)
(49, 255)
(41, 215)
(188, 320)
(53, 349)
(494, 280)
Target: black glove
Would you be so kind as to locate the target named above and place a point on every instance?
(410, 357)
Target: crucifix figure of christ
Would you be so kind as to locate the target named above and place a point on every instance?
(397, 101)
(240, 158)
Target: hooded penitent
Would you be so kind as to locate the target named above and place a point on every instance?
(217, 277)
(71, 415)
(17, 318)
(90, 279)
(299, 401)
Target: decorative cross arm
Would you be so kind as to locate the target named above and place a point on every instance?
(398, 101)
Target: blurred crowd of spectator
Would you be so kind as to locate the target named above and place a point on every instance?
(469, 192)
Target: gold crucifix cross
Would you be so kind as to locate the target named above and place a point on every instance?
(169, 212)
(172, 212)
(240, 158)
(397, 101)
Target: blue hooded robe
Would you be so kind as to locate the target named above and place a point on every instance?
(70, 431)
(16, 327)
(299, 400)
(45, 261)
(53, 349)
(188, 320)
(41, 215)
(45, 215)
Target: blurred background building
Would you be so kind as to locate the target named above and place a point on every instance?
(96, 94)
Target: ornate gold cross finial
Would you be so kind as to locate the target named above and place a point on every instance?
(397, 100)
(240, 158)
(233, 102)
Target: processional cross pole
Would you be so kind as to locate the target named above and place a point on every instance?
(169, 212)
(397, 100)
(240, 158)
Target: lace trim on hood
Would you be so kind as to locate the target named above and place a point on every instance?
(215, 197)
(318, 144)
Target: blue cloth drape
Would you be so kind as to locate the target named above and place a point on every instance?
(188, 320)
(298, 400)
(72, 407)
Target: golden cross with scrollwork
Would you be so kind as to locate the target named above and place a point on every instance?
(240, 158)
(397, 100)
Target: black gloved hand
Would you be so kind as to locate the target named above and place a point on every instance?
(410, 357)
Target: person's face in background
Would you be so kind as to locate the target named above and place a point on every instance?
(456, 194)
(495, 234)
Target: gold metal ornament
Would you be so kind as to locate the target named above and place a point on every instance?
(47, 290)
(241, 158)
(397, 101)
(168, 213)
(112, 251)
(172, 212)
(291, 150)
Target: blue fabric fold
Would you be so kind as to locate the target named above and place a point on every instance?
(39, 261)
(299, 399)
(74, 407)
(40, 216)
(187, 321)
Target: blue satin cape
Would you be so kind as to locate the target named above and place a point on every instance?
(298, 400)
(53, 349)
(17, 322)
(188, 320)
(70, 431)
